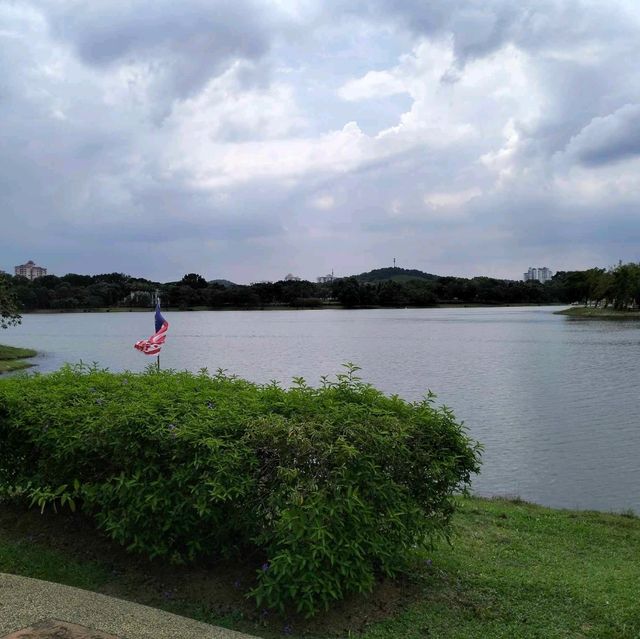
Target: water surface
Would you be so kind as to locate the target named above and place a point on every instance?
(554, 400)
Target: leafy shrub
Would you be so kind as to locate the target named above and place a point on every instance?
(327, 487)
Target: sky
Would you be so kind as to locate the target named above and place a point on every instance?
(246, 140)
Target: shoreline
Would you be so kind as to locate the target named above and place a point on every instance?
(323, 307)
(590, 312)
(11, 358)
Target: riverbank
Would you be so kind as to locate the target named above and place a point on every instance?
(11, 358)
(513, 570)
(591, 312)
(276, 307)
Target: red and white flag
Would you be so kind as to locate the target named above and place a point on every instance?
(153, 345)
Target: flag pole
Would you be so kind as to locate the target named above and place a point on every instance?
(158, 362)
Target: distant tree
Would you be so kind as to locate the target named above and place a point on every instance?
(603, 289)
(194, 281)
(598, 285)
(577, 286)
(77, 280)
(48, 281)
(392, 294)
(9, 315)
(184, 296)
(347, 291)
(625, 285)
(25, 296)
(370, 294)
(111, 278)
(292, 291)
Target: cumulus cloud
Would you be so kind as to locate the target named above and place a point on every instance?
(375, 84)
(235, 138)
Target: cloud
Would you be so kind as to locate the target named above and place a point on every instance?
(179, 45)
(611, 138)
(479, 28)
(375, 84)
(323, 202)
(247, 139)
(451, 199)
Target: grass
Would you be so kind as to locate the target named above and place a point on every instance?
(591, 312)
(11, 358)
(517, 570)
(514, 571)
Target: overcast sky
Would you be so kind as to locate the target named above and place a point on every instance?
(246, 140)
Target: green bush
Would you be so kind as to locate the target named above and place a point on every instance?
(326, 487)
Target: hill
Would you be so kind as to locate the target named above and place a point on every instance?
(395, 274)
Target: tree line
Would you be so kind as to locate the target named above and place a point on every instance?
(394, 287)
(618, 287)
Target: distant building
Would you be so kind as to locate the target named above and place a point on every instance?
(326, 279)
(540, 274)
(30, 270)
(142, 298)
(291, 278)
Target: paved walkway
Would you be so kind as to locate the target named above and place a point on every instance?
(30, 608)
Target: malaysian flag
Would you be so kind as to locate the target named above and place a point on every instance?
(153, 345)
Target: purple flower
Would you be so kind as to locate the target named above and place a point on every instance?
(265, 566)
(209, 404)
(236, 584)
(428, 563)
(288, 629)
(168, 594)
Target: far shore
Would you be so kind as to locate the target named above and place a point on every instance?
(274, 307)
(592, 312)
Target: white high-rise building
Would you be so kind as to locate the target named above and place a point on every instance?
(544, 274)
(30, 270)
(541, 274)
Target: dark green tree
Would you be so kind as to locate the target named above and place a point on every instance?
(347, 291)
(194, 281)
(9, 315)
(625, 285)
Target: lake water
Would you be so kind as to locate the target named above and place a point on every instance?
(554, 400)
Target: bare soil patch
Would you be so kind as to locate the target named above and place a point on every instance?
(214, 592)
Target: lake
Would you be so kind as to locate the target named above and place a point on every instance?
(554, 400)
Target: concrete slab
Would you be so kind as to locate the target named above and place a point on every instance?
(53, 629)
(26, 602)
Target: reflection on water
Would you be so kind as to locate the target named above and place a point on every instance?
(553, 400)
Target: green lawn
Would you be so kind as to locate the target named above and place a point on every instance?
(514, 570)
(518, 570)
(11, 358)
